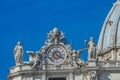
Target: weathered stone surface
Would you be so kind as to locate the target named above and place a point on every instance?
(57, 59)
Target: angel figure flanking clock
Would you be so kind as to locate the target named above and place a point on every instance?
(77, 62)
(37, 59)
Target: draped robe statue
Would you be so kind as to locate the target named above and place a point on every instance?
(91, 49)
(18, 53)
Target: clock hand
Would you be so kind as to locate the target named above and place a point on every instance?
(61, 57)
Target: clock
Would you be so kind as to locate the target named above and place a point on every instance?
(56, 54)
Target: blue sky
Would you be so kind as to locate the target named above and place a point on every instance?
(28, 21)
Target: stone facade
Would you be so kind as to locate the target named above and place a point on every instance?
(57, 60)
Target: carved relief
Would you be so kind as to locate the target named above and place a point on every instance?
(55, 36)
(56, 54)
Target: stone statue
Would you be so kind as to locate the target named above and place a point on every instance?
(18, 53)
(32, 56)
(69, 57)
(42, 54)
(34, 59)
(39, 58)
(37, 62)
(77, 61)
(73, 62)
(91, 49)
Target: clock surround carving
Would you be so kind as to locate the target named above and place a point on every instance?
(57, 54)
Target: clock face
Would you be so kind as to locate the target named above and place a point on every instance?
(56, 54)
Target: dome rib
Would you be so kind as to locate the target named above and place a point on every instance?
(117, 33)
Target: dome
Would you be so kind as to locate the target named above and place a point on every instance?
(110, 34)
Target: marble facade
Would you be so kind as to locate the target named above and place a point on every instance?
(57, 60)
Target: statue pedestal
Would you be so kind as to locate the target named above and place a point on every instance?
(92, 63)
